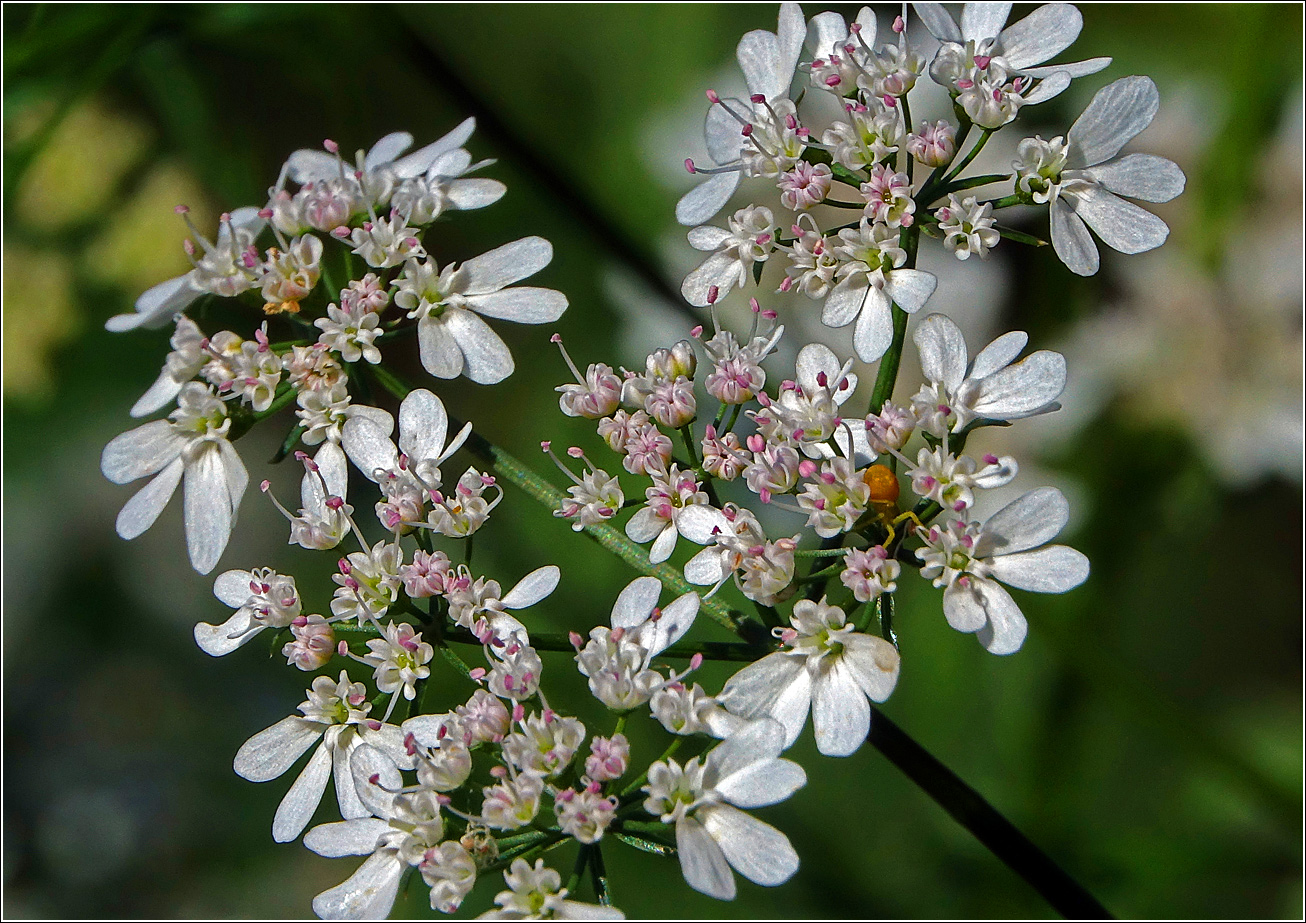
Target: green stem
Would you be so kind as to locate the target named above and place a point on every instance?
(974, 151)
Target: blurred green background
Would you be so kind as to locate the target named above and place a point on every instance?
(1149, 734)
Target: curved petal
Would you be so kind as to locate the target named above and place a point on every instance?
(141, 452)
(296, 809)
(1054, 569)
(699, 523)
(1140, 176)
(333, 468)
(468, 194)
(777, 686)
(676, 619)
(1032, 519)
(505, 265)
(1122, 225)
(420, 160)
(1051, 86)
(1006, 628)
(357, 837)
(1022, 387)
(307, 166)
(368, 894)
(208, 513)
(438, 348)
(220, 640)
(347, 794)
(763, 783)
(363, 763)
(756, 850)
(532, 588)
(164, 390)
(702, 862)
(999, 354)
(143, 509)
(664, 544)
(938, 21)
(707, 237)
(1071, 240)
(1118, 112)
(719, 271)
(156, 305)
(1070, 68)
(844, 301)
(874, 663)
(423, 425)
(943, 351)
(963, 608)
(702, 202)
(522, 304)
(1040, 36)
(636, 601)
(368, 446)
(645, 525)
(231, 587)
(486, 359)
(813, 359)
(874, 332)
(826, 31)
(270, 752)
(387, 149)
(705, 568)
(841, 716)
(983, 20)
(762, 739)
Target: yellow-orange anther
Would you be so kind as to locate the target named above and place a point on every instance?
(883, 484)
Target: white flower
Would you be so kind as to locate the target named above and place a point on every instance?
(262, 599)
(768, 60)
(871, 133)
(222, 269)
(470, 602)
(445, 185)
(192, 442)
(1087, 192)
(950, 480)
(386, 242)
(869, 572)
(449, 303)
(183, 364)
(584, 814)
(870, 282)
(399, 660)
(807, 410)
(323, 519)
(545, 744)
(450, 872)
(672, 491)
(336, 712)
(830, 669)
(703, 800)
(368, 583)
(993, 387)
(402, 832)
(537, 894)
(750, 240)
(967, 227)
(969, 560)
(835, 68)
(349, 334)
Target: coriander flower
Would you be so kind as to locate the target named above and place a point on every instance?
(536, 893)
(969, 560)
(262, 599)
(750, 240)
(191, 443)
(703, 799)
(830, 669)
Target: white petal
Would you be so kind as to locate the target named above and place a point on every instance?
(762, 783)
(1070, 69)
(756, 850)
(505, 265)
(999, 354)
(156, 305)
(1122, 225)
(438, 348)
(677, 618)
(777, 686)
(231, 587)
(141, 452)
(1051, 86)
(645, 526)
(368, 446)
(272, 751)
(389, 740)
(333, 466)
(636, 601)
(983, 20)
(347, 794)
(943, 351)
(874, 332)
(761, 739)
(720, 271)
(532, 588)
(301, 801)
(791, 32)
(357, 837)
(825, 31)
(141, 511)
(813, 359)
(938, 21)
(721, 132)
(1006, 628)
(844, 301)
(1040, 36)
(664, 544)
(423, 425)
(1054, 569)
(702, 862)
(220, 640)
(235, 475)
(874, 663)
(707, 237)
(467, 194)
(368, 894)
(387, 149)
(523, 304)
(705, 568)
(306, 166)
(1141, 176)
(1071, 240)
(420, 160)
(164, 390)
(207, 508)
(363, 763)
(578, 910)
(486, 359)
(1022, 387)
(1118, 112)
(1030, 520)
(841, 716)
(963, 608)
(702, 202)
(699, 523)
